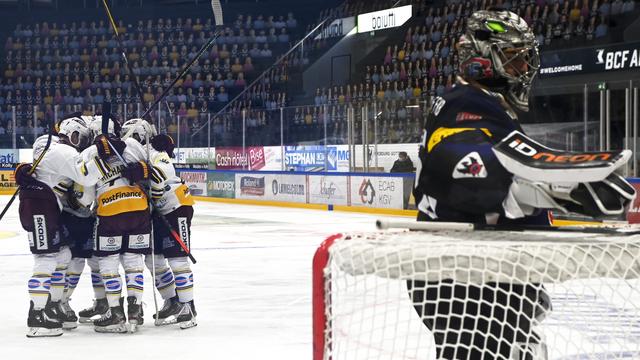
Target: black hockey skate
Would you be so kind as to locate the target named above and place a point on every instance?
(68, 320)
(134, 313)
(187, 316)
(69, 311)
(169, 312)
(41, 325)
(113, 321)
(95, 312)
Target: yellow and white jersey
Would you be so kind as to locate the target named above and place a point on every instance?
(168, 191)
(114, 194)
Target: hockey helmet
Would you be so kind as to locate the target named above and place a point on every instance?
(75, 132)
(138, 129)
(499, 50)
(95, 125)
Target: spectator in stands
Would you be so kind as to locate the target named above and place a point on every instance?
(629, 6)
(601, 29)
(604, 9)
(223, 96)
(284, 37)
(266, 52)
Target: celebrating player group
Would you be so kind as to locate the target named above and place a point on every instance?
(98, 197)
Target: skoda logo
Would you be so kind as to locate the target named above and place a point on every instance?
(111, 240)
(140, 239)
(274, 187)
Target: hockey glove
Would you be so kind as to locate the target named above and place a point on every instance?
(136, 172)
(105, 151)
(163, 142)
(22, 175)
(607, 198)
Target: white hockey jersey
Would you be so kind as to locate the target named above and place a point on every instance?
(114, 194)
(58, 170)
(168, 190)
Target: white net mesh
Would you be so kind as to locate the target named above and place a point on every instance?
(482, 295)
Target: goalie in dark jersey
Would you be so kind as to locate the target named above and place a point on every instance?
(461, 179)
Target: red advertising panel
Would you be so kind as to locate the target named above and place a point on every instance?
(234, 158)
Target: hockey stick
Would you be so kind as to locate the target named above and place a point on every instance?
(136, 83)
(469, 227)
(174, 234)
(217, 15)
(33, 169)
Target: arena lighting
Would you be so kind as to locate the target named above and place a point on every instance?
(412, 106)
(384, 19)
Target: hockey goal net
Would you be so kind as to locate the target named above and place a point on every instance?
(477, 295)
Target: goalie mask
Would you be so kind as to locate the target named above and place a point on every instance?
(138, 129)
(75, 132)
(499, 51)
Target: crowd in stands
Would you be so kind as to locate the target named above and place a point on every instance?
(77, 66)
(425, 63)
(64, 68)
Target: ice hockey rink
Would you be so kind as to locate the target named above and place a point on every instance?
(253, 296)
(252, 291)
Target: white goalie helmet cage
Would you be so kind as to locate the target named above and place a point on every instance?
(138, 129)
(76, 130)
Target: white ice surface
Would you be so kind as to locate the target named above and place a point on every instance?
(252, 290)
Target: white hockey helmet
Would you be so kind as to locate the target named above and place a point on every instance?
(138, 129)
(75, 131)
(96, 126)
(41, 142)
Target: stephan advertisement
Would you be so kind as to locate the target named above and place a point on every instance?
(597, 59)
(196, 181)
(312, 158)
(327, 189)
(221, 185)
(377, 192)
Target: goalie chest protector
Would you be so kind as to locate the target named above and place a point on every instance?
(459, 169)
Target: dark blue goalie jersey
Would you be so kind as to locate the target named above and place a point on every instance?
(460, 178)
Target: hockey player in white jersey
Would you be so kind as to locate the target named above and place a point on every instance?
(77, 219)
(39, 209)
(171, 199)
(123, 223)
